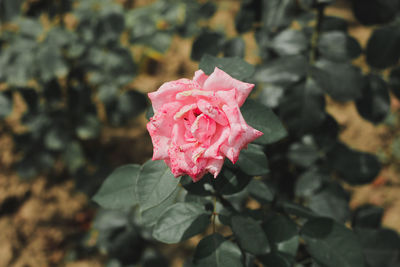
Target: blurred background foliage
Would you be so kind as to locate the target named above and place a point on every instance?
(73, 78)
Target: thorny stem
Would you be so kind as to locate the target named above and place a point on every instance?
(315, 36)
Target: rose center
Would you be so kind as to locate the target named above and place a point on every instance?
(199, 127)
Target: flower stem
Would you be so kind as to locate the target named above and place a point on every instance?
(214, 214)
(315, 36)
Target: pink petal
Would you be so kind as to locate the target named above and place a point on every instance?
(214, 166)
(167, 92)
(241, 134)
(221, 136)
(203, 128)
(220, 80)
(180, 163)
(212, 111)
(160, 128)
(200, 77)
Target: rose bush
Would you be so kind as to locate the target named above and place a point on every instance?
(197, 123)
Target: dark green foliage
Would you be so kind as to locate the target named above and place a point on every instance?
(250, 235)
(289, 42)
(207, 43)
(331, 201)
(394, 81)
(342, 81)
(375, 11)
(284, 198)
(303, 108)
(353, 166)
(338, 46)
(118, 190)
(253, 161)
(247, 15)
(214, 250)
(332, 244)
(260, 191)
(154, 184)
(231, 181)
(180, 222)
(380, 246)
(262, 118)
(367, 216)
(382, 48)
(5, 104)
(234, 47)
(374, 105)
(234, 66)
(284, 71)
(283, 234)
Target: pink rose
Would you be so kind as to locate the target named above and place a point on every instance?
(197, 123)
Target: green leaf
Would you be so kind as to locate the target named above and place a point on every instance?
(374, 105)
(303, 107)
(234, 47)
(155, 184)
(277, 13)
(381, 247)
(207, 43)
(277, 259)
(253, 161)
(51, 62)
(332, 244)
(282, 71)
(149, 112)
(215, 251)
(29, 27)
(302, 154)
(19, 72)
(246, 16)
(234, 66)
(297, 210)
(342, 81)
(88, 127)
(180, 222)
(375, 11)
(289, 42)
(382, 47)
(56, 139)
(150, 216)
(118, 190)
(263, 119)
(270, 95)
(394, 81)
(309, 182)
(368, 216)
(196, 188)
(127, 106)
(353, 166)
(10, 9)
(331, 201)
(109, 27)
(260, 191)
(338, 46)
(250, 235)
(331, 23)
(6, 104)
(74, 156)
(283, 234)
(159, 41)
(230, 181)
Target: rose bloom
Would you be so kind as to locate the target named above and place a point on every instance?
(197, 123)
